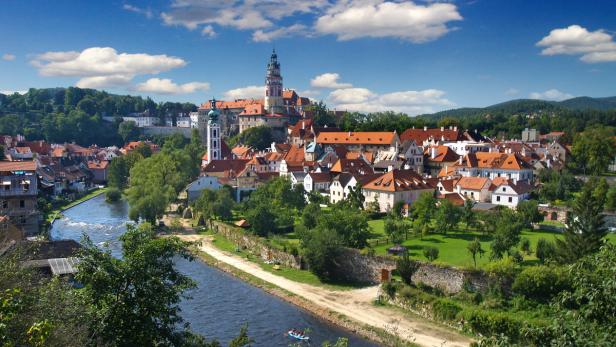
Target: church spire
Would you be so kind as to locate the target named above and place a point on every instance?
(273, 85)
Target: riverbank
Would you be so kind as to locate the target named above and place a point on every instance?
(352, 309)
(57, 212)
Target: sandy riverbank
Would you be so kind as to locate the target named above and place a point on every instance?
(352, 309)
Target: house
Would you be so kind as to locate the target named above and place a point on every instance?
(353, 166)
(439, 157)
(474, 188)
(371, 141)
(413, 155)
(194, 188)
(394, 186)
(446, 186)
(342, 183)
(20, 153)
(18, 195)
(493, 165)
(317, 182)
(99, 170)
(558, 151)
(432, 136)
(509, 192)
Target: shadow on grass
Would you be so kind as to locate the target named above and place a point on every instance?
(431, 239)
(468, 237)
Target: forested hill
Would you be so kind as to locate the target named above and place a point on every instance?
(74, 114)
(525, 106)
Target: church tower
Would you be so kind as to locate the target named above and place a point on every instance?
(213, 133)
(273, 86)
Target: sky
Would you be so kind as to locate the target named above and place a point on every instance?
(365, 55)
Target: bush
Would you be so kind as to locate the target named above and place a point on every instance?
(113, 194)
(406, 268)
(541, 283)
(431, 253)
(545, 250)
(390, 289)
(492, 324)
(445, 309)
(525, 246)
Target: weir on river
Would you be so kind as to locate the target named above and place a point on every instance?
(221, 304)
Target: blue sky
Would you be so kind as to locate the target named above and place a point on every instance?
(370, 55)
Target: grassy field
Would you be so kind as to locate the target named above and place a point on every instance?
(301, 276)
(453, 251)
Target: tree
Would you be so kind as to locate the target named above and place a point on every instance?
(474, 248)
(117, 173)
(128, 131)
(406, 268)
(507, 233)
(395, 230)
(431, 253)
(468, 215)
(423, 211)
(352, 228)
(585, 228)
(544, 250)
(355, 197)
(260, 219)
(447, 216)
(322, 117)
(320, 247)
(593, 150)
(310, 215)
(529, 212)
(113, 194)
(135, 299)
(259, 138)
(525, 245)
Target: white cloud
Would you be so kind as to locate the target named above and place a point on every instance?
(268, 36)
(143, 11)
(329, 80)
(8, 57)
(551, 94)
(593, 46)
(309, 93)
(11, 92)
(404, 20)
(103, 66)
(166, 86)
(250, 92)
(512, 91)
(410, 101)
(208, 31)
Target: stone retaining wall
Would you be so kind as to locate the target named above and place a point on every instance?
(255, 245)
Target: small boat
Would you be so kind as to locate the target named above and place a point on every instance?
(296, 334)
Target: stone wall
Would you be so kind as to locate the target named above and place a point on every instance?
(357, 267)
(255, 245)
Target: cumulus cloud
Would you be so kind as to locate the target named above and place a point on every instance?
(143, 11)
(103, 66)
(551, 94)
(208, 31)
(268, 36)
(593, 46)
(8, 57)
(166, 86)
(250, 92)
(404, 20)
(410, 101)
(11, 92)
(329, 80)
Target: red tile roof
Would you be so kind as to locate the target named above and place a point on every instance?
(17, 166)
(230, 167)
(356, 138)
(421, 135)
(473, 183)
(443, 154)
(398, 180)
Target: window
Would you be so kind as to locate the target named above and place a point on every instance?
(510, 199)
(504, 189)
(5, 204)
(497, 198)
(22, 203)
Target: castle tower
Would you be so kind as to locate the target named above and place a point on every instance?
(273, 86)
(213, 133)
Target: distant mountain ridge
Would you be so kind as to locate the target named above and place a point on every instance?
(530, 105)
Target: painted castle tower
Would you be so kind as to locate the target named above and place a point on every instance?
(273, 86)
(213, 133)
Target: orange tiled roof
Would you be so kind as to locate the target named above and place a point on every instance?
(240, 103)
(253, 110)
(353, 166)
(398, 180)
(98, 165)
(420, 135)
(230, 167)
(494, 160)
(356, 138)
(17, 165)
(295, 154)
(472, 183)
(447, 171)
(443, 154)
(241, 151)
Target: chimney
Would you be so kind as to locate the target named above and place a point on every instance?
(432, 152)
(425, 128)
(442, 128)
(407, 167)
(390, 168)
(460, 160)
(303, 125)
(455, 128)
(349, 133)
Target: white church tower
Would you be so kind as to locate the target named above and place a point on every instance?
(213, 133)
(273, 86)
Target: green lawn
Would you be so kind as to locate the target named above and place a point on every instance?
(452, 247)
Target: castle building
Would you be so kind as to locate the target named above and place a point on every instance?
(273, 101)
(213, 133)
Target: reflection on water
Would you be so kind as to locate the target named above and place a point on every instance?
(220, 304)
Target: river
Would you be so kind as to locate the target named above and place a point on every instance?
(220, 304)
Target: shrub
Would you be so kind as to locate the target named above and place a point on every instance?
(545, 250)
(406, 268)
(492, 324)
(541, 283)
(516, 256)
(525, 246)
(415, 297)
(113, 194)
(445, 309)
(390, 289)
(431, 253)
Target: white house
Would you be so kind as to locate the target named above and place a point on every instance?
(340, 186)
(394, 186)
(466, 147)
(509, 193)
(474, 188)
(493, 165)
(183, 122)
(318, 182)
(194, 189)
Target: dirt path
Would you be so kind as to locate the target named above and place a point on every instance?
(355, 304)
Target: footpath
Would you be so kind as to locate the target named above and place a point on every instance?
(356, 304)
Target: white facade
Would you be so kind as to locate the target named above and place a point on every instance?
(310, 185)
(518, 175)
(183, 122)
(387, 200)
(142, 121)
(213, 134)
(194, 189)
(194, 120)
(505, 195)
(465, 147)
(338, 192)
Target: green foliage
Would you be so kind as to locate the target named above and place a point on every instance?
(492, 324)
(113, 194)
(261, 220)
(557, 185)
(259, 138)
(320, 247)
(468, 215)
(390, 289)
(406, 268)
(585, 229)
(525, 245)
(135, 299)
(431, 253)
(474, 248)
(593, 150)
(128, 131)
(610, 200)
(529, 212)
(422, 211)
(541, 283)
(445, 309)
(355, 197)
(322, 116)
(545, 250)
(215, 204)
(506, 234)
(310, 215)
(447, 216)
(395, 230)
(352, 228)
